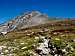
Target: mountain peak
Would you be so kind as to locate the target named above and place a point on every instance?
(24, 21)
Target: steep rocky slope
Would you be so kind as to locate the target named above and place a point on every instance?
(24, 21)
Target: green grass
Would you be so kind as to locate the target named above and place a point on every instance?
(22, 44)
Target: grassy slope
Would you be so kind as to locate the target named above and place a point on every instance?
(16, 38)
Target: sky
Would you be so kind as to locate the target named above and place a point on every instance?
(54, 8)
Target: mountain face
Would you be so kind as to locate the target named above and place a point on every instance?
(24, 21)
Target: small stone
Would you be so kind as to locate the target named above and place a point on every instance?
(23, 47)
(56, 55)
(46, 29)
(15, 40)
(2, 53)
(26, 31)
(55, 33)
(32, 32)
(73, 40)
(41, 31)
(24, 17)
(54, 48)
(9, 48)
(3, 47)
(6, 51)
(28, 34)
(53, 51)
(36, 38)
(72, 49)
(64, 50)
(42, 37)
(57, 39)
(21, 43)
(62, 35)
(4, 33)
(11, 55)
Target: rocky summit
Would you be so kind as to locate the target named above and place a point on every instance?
(24, 21)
